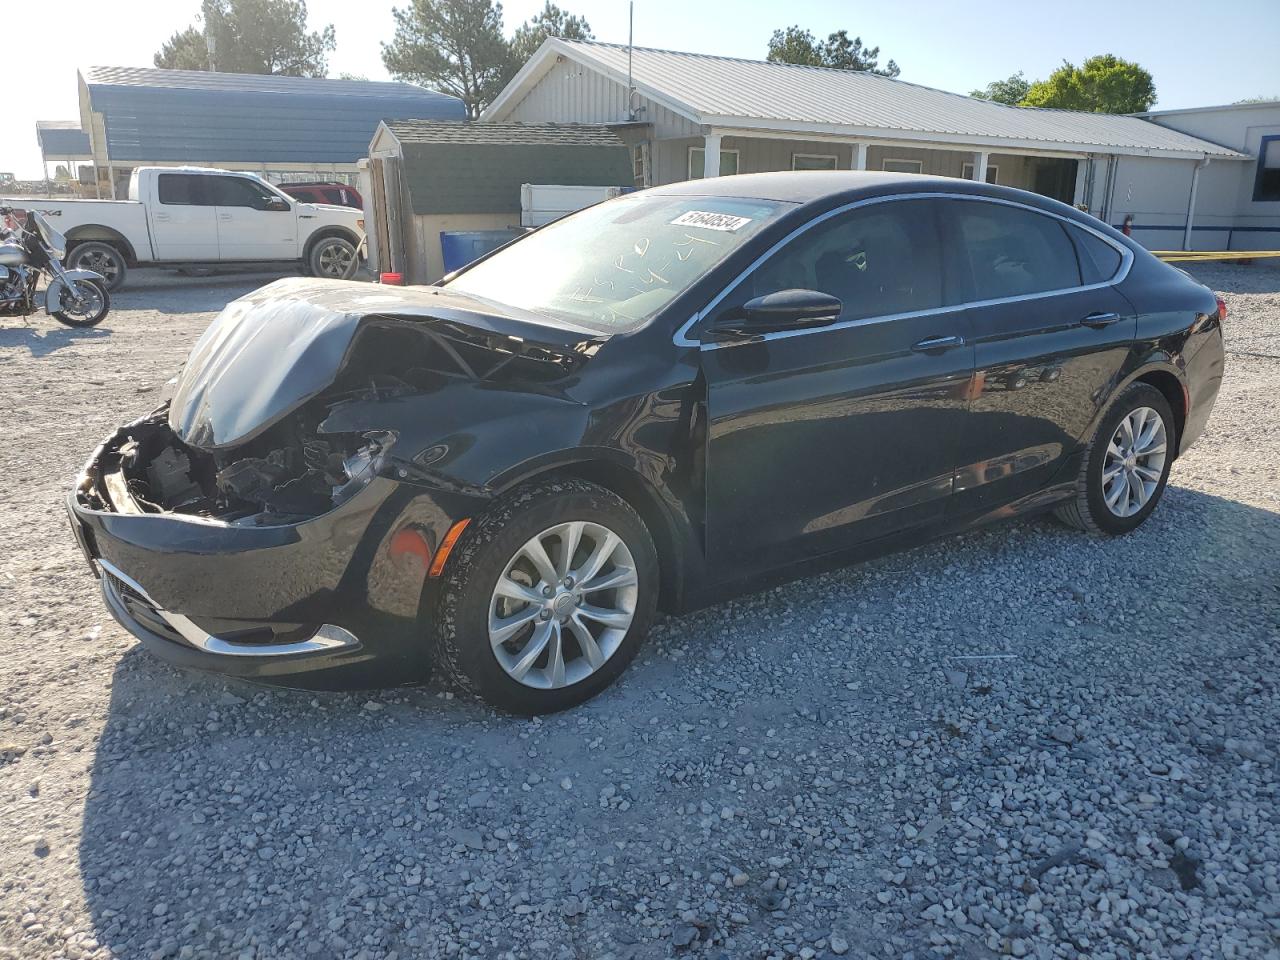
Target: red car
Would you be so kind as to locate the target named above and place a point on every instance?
(325, 191)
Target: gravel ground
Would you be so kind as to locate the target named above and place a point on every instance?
(1021, 742)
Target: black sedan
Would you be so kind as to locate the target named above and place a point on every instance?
(655, 402)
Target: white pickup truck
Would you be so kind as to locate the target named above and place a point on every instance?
(201, 217)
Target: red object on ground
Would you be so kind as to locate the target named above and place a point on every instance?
(393, 279)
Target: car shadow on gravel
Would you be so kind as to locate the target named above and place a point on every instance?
(42, 342)
(224, 816)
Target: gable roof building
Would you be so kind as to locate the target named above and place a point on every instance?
(136, 116)
(687, 115)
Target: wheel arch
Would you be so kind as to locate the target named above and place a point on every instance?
(101, 233)
(1165, 376)
(1173, 391)
(641, 495)
(324, 233)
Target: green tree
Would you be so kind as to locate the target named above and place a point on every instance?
(797, 45)
(251, 36)
(185, 50)
(454, 45)
(1011, 91)
(1102, 84)
(551, 21)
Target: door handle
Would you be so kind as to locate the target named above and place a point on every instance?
(1097, 320)
(161, 217)
(224, 216)
(929, 344)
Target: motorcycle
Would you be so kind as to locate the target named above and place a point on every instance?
(31, 247)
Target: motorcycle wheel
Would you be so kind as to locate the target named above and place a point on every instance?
(86, 311)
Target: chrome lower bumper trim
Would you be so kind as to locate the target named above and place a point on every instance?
(328, 638)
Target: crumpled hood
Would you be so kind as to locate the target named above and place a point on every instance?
(269, 352)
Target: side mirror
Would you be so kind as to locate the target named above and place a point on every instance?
(777, 312)
(276, 204)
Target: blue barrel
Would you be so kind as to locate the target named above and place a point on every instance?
(460, 247)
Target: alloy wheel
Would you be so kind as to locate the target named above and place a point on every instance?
(1134, 462)
(81, 300)
(563, 605)
(100, 262)
(335, 259)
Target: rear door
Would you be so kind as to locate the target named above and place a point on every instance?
(1050, 336)
(183, 221)
(823, 438)
(254, 223)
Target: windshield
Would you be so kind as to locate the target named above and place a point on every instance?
(613, 266)
(52, 238)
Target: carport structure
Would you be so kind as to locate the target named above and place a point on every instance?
(62, 141)
(689, 115)
(283, 128)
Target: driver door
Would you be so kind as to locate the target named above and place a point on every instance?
(823, 438)
(254, 223)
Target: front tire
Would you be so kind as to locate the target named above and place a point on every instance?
(84, 307)
(333, 258)
(101, 258)
(547, 597)
(1126, 467)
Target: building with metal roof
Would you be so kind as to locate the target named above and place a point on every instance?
(62, 141)
(282, 127)
(687, 115)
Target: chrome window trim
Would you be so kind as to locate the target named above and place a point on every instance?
(681, 338)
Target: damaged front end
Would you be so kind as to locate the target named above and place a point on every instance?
(289, 473)
(278, 518)
(293, 400)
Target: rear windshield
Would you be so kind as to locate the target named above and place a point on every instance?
(613, 266)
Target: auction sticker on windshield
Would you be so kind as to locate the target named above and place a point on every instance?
(711, 221)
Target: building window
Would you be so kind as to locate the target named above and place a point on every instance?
(640, 164)
(728, 162)
(903, 166)
(992, 172)
(813, 161)
(1267, 184)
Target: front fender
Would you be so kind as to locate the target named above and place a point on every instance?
(53, 296)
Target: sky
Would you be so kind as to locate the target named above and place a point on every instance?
(1199, 53)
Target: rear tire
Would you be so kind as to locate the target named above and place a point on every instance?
(101, 258)
(1126, 467)
(472, 612)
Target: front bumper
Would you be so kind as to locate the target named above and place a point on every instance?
(331, 602)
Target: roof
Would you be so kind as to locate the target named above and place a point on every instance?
(839, 186)
(1247, 105)
(732, 93)
(193, 115)
(435, 131)
(455, 168)
(62, 139)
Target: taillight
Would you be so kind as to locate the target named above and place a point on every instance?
(1222, 310)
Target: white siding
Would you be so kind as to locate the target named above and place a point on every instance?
(1231, 184)
(572, 93)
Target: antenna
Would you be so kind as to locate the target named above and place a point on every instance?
(631, 36)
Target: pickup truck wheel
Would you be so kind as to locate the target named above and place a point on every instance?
(101, 258)
(333, 258)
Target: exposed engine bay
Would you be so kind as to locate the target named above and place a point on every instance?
(288, 474)
(252, 445)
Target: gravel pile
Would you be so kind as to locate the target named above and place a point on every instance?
(1023, 742)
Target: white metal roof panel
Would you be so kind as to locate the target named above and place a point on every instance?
(725, 89)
